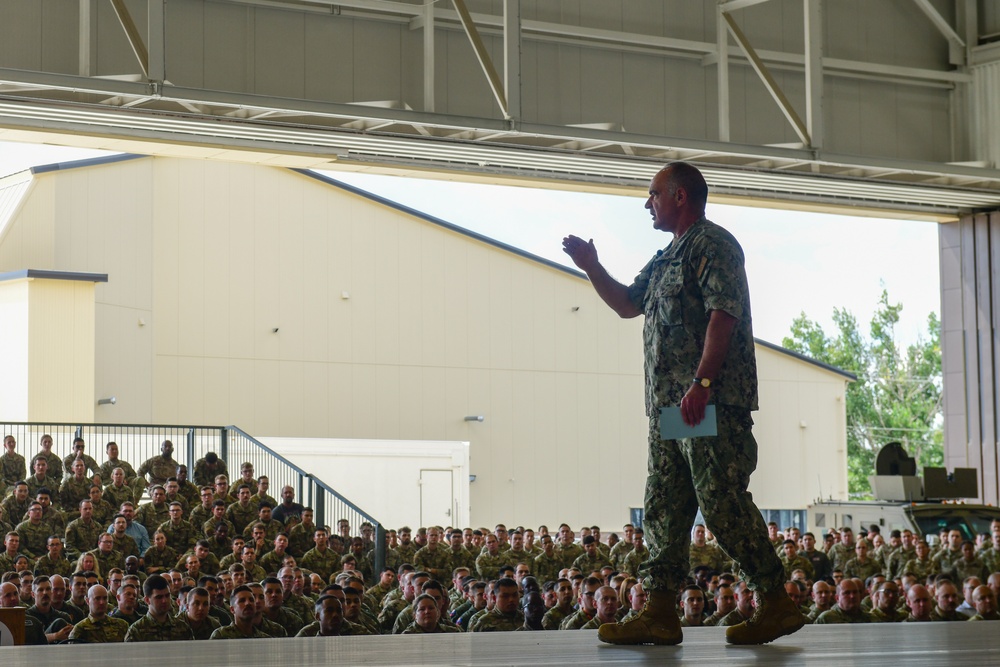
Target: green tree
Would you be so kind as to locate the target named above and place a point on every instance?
(897, 396)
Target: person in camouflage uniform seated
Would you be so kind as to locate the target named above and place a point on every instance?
(506, 615)
(98, 627)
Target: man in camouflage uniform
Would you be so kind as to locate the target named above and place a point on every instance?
(98, 627)
(40, 478)
(244, 608)
(197, 616)
(698, 341)
(206, 469)
(489, 561)
(300, 537)
(53, 464)
(52, 517)
(15, 506)
(791, 561)
(985, 601)
(181, 535)
(702, 552)
(622, 548)
(82, 533)
(106, 556)
(242, 513)
(862, 566)
(129, 475)
(638, 555)
(190, 492)
(406, 551)
(74, 488)
(12, 467)
(159, 624)
(117, 492)
(321, 559)
(459, 555)
(506, 615)
(592, 559)
(922, 565)
(54, 561)
(547, 564)
(567, 549)
(990, 556)
(275, 609)
(202, 508)
(434, 559)
(124, 544)
(848, 608)
(103, 511)
(33, 533)
(947, 603)
(606, 604)
(79, 446)
(587, 606)
(885, 608)
(155, 512)
(159, 468)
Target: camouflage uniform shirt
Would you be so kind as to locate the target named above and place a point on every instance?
(105, 630)
(147, 629)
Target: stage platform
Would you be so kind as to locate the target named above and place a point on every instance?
(895, 645)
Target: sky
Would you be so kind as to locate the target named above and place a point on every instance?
(796, 262)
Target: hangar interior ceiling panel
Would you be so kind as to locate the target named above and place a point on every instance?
(885, 106)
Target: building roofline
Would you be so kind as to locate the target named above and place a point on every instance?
(851, 377)
(89, 162)
(440, 222)
(42, 274)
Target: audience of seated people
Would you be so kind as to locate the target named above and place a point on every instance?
(92, 562)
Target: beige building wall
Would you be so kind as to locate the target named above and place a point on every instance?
(261, 297)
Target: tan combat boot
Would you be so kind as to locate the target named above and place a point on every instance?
(657, 623)
(776, 616)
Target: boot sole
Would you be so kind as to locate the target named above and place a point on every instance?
(642, 642)
(784, 632)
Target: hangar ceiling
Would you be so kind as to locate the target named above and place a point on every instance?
(886, 107)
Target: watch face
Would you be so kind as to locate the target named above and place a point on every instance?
(706, 383)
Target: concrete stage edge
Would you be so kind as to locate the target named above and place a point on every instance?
(890, 645)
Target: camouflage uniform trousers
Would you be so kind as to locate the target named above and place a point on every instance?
(391, 610)
(712, 473)
(147, 629)
(101, 631)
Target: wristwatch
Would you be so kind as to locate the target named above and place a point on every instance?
(704, 382)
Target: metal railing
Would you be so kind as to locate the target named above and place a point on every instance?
(139, 442)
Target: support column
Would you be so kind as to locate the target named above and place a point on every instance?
(970, 346)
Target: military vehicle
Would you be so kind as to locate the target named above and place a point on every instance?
(925, 505)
